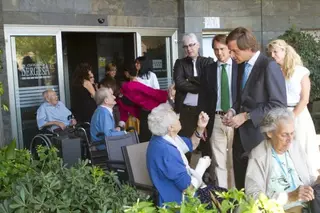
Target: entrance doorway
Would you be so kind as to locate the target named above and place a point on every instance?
(96, 49)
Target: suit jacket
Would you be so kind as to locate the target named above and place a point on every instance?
(208, 94)
(265, 89)
(184, 80)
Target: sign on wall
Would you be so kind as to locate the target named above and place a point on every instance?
(35, 71)
(212, 22)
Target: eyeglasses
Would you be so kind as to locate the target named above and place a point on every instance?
(189, 45)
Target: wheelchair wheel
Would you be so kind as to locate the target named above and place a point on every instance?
(37, 140)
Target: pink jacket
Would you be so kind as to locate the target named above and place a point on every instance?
(142, 96)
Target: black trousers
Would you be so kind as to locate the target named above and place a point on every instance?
(240, 161)
(145, 133)
(188, 119)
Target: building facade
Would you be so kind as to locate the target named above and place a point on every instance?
(43, 40)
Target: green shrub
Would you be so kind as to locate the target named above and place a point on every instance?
(14, 164)
(47, 186)
(233, 201)
(308, 48)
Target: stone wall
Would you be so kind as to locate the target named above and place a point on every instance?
(131, 13)
(267, 19)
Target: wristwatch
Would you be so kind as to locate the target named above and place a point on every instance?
(248, 117)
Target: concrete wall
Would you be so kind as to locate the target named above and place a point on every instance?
(133, 13)
(268, 19)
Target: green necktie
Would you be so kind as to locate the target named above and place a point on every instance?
(225, 97)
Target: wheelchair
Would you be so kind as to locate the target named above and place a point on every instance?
(71, 142)
(110, 157)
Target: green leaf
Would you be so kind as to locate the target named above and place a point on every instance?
(10, 150)
(5, 107)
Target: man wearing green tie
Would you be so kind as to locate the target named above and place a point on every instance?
(217, 94)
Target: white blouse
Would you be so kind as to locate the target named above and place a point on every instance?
(152, 81)
(293, 85)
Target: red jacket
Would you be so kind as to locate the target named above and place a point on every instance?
(142, 96)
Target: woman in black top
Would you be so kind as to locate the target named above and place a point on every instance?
(82, 93)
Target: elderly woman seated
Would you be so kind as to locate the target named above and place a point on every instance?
(166, 161)
(102, 120)
(278, 167)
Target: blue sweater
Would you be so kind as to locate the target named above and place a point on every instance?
(167, 170)
(102, 122)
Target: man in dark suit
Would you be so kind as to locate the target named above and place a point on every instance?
(218, 91)
(261, 87)
(187, 73)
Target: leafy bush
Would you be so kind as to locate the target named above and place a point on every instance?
(47, 186)
(233, 201)
(14, 164)
(308, 48)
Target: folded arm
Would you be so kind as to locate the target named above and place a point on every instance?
(181, 82)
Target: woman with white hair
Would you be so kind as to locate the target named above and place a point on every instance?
(166, 161)
(298, 92)
(278, 167)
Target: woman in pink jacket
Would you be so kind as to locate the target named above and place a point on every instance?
(138, 100)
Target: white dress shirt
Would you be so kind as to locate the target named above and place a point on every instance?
(229, 73)
(192, 99)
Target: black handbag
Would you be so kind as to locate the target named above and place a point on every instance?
(208, 196)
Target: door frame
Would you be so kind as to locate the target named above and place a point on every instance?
(56, 30)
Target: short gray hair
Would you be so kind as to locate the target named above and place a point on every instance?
(161, 118)
(101, 94)
(45, 94)
(190, 36)
(272, 119)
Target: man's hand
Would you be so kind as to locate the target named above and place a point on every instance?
(302, 193)
(73, 122)
(61, 125)
(117, 129)
(226, 119)
(172, 92)
(238, 120)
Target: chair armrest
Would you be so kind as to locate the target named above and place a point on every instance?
(119, 162)
(97, 143)
(99, 134)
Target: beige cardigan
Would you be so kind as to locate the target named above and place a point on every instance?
(259, 169)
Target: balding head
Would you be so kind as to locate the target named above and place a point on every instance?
(50, 96)
(104, 96)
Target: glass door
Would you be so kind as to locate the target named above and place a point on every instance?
(157, 49)
(35, 70)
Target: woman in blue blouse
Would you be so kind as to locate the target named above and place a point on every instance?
(166, 161)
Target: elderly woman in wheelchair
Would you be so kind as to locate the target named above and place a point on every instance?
(102, 121)
(166, 161)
